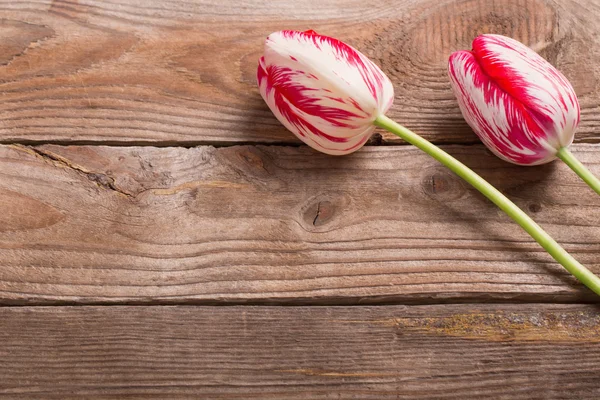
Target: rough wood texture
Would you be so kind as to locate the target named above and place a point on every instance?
(425, 352)
(171, 72)
(259, 223)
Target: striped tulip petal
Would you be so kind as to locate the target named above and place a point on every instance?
(521, 107)
(324, 91)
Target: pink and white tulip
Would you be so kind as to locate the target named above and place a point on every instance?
(523, 109)
(324, 91)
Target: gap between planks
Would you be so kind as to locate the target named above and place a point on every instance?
(375, 141)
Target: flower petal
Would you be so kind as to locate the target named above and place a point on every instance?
(302, 124)
(533, 81)
(505, 125)
(323, 71)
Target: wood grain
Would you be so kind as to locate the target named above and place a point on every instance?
(183, 72)
(86, 224)
(395, 352)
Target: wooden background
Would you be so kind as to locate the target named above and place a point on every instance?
(144, 185)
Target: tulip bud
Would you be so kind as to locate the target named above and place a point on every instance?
(523, 109)
(324, 91)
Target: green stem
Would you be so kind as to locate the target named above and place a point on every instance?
(536, 232)
(580, 169)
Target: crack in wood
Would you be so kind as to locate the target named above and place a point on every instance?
(433, 184)
(317, 215)
(103, 180)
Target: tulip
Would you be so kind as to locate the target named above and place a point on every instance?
(332, 97)
(523, 109)
(324, 91)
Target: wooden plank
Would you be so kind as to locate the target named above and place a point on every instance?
(183, 72)
(392, 352)
(283, 224)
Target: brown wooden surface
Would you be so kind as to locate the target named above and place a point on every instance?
(117, 257)
(424, 352)
(256, 223)
(176, 71)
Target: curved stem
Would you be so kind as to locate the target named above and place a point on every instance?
(580, 169)
(536, 232)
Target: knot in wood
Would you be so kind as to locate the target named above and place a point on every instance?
(323, 210)
(442, 185)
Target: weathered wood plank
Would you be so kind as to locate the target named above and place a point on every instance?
(394, 352)
(267, 223)
(173, 72)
